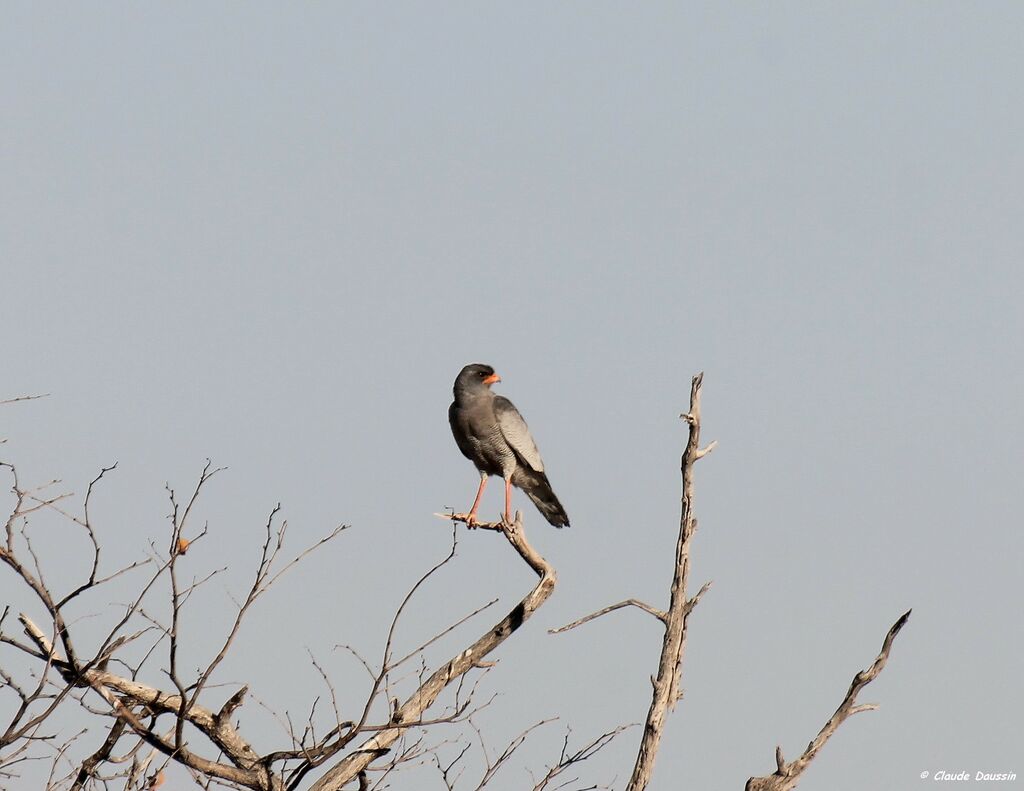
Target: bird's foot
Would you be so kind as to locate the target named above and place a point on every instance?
(469, 519)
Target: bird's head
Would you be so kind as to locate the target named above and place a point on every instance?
(475, 377)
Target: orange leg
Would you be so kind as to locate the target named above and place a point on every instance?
(508, 501)
(471, 516)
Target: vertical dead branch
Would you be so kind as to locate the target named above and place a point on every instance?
(674, 620)
(666, 684)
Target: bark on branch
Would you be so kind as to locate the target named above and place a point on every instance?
(216, 727)
(409, 713)
(666, 684)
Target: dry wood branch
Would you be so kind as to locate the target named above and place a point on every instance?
(695, 599)
(411, 711)
(661, 615)
(23, 398)
(666, 683)
(787, 775)
(217, 727)
(91, 764)
(449, 775)
(264, 578)
(460, 518)
(339, 738)
(134, 708)
(21, 728)
(323, 750)
(493, 766)
(569, 758)
(423, 646)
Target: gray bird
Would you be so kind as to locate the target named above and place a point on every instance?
(492, 434)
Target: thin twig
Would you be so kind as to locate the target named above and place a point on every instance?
(661, 615)
(411, 711)
(24, 398)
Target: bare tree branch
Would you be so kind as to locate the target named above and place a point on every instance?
(101, 756)
(787, 775)
(24, 398)
(661, 615)
(666, 684)
(411, 711)
(569, 758)
(145, 728)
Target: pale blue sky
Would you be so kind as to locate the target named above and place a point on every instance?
(272, 235)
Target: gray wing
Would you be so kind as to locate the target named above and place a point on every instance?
(516, 433)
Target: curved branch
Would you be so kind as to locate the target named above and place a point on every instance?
(787, 775)
(411, 711)
(661, 615)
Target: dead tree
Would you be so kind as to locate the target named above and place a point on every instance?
(148, 726)
(666, 684)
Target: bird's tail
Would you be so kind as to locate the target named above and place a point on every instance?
(538, 489)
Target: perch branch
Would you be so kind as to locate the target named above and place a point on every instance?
(411, 711)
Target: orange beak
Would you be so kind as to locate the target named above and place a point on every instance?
(492, 379)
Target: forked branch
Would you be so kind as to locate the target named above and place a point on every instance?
(674, 620)
(666, 684)
(410, 713)
(787, 775)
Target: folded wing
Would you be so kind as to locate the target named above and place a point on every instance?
(517, 433)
